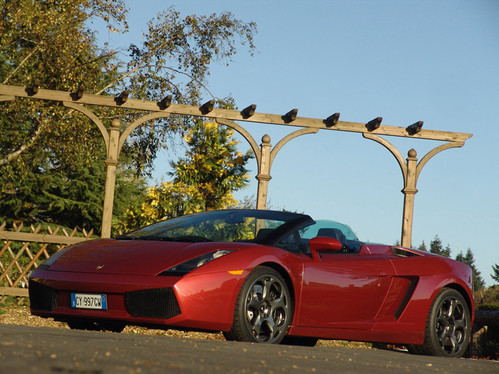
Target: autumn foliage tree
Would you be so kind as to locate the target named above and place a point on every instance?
(204, 179)
(51, 158)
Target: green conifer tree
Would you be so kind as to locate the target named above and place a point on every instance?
(468, 259)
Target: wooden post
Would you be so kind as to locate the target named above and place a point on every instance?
(263, 176)
(111, 163)
(409, 191)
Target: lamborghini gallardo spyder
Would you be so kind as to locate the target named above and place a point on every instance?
(260, 276)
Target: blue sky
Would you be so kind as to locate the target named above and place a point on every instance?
(430, 60)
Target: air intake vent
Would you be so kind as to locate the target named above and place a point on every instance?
(42, 297)
(404, 252)
(153, 303)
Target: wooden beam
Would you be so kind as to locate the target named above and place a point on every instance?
(234, 115)
(40, 238)
(6, 98)
(14, 291)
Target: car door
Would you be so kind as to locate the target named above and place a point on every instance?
(343, 290)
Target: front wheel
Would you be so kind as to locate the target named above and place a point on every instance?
(448, 327)
(264, 308)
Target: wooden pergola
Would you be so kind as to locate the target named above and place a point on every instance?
(114, 138)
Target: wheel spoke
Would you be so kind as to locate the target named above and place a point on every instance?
(279, 303)
(263, 328)
(453, 342)
(267, 286)
(443, 320)
(257, 325)
(255, 299)
(461, 325)
(271, 326)
(452, 308)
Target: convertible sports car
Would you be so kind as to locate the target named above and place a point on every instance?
(260, 276)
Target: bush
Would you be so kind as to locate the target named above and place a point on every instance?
(489, 307)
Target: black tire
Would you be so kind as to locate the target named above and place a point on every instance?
(96, 325)
(448, 326)
(264, 308)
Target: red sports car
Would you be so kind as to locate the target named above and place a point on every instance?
(260, 276)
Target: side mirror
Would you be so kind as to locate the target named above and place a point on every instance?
(323, 244)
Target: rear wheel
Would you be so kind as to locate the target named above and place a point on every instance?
(448, 327)
(264, 308)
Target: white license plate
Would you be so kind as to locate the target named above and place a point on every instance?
(88, 301)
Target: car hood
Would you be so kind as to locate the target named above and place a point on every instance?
(130, 257)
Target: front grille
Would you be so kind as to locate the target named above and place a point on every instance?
(153, 303)
(42, 297)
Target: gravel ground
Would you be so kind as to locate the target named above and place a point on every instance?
(20, 315)
(13, 313)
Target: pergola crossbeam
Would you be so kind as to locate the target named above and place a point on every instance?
(289, 119)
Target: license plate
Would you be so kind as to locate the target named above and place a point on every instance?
(88, 301)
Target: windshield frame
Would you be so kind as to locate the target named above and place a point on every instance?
(285, 222)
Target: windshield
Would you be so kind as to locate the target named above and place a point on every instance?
(246, 225)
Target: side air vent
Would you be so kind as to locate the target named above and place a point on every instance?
(153, 303)
(407, 297)
(404, 252)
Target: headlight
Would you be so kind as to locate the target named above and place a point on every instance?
(194, 263)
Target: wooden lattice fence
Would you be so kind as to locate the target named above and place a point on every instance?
(23, 248)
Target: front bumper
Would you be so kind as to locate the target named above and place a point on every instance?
(203, 301)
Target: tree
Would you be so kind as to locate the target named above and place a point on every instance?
(468, 259)
(437, 247)
(204, 179)
(212, 164)
(495, 274)
(51, 158)
(175, 58)
(422, 247)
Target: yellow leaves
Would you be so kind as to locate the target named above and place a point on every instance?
(211, 126)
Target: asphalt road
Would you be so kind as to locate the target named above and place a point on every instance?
(26, 349)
